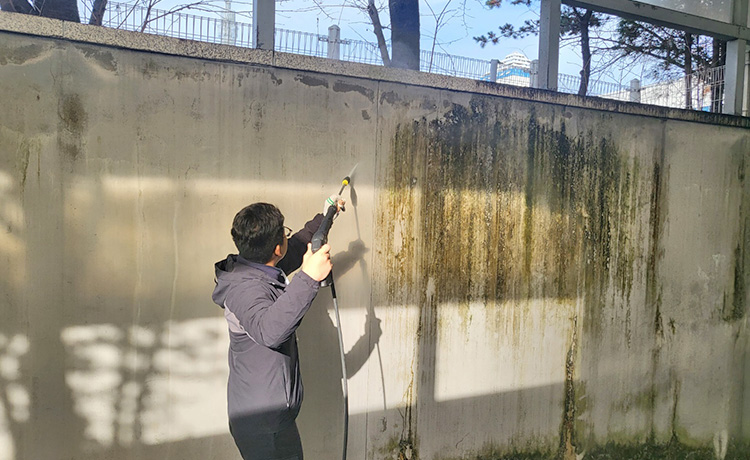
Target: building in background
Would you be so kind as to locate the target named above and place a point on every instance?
(515, 70)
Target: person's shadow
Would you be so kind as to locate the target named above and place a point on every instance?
(321, 418)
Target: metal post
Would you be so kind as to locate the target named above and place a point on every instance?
(746, 105)
(534, 73)
(264, 23)
(549, 44)
(734, 73)
(635, 90)
(734, 77)
(334, 42)
(493, 70)
(228, 24)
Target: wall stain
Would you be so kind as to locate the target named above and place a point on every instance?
(73, 120)
(739, 295)
(311, 81)
(567, 448)
(510, 208)
(103, 58)
(653, 290)
(648, 450)
(344, 87)
(150, 68)
(470, 199)
(737, 311)
(653, 287)
(407, 442)
(26, 149)
(19, 55)
(427, 104)
(390, 97)
(275, 80)
(191, 73)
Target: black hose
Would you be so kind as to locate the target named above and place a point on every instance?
(344, 382)
(318, 240)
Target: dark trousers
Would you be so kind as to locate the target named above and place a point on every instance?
(283, 445)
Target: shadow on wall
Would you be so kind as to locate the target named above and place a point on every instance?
(150, 382)
(145, 414)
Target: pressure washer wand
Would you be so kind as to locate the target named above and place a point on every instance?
(318, 240)
(321, 235)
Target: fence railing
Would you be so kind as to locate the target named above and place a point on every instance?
(702, 90)
(293, 41)
(178, 24)
(699, 91)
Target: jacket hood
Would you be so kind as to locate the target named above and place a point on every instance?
(232, 271)
(225, 277)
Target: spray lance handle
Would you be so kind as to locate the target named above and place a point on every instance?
(320, 237)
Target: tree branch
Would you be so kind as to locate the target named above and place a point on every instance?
(378, 29)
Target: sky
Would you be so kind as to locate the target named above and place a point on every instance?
(463, 20)
(460, 21)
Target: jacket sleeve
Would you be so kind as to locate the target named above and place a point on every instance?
(298, 245)
(271, 322)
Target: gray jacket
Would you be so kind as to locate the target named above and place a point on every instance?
(264, 392)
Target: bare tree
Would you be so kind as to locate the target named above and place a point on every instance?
(372, 11)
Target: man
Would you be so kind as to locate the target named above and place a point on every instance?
(263, 310)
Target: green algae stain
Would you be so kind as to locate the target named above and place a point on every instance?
(673, 450)
(508, 207)
(737, 310)
(22, 161)
(496, 453)
(398, 449)
(487, 205)
(73, 122)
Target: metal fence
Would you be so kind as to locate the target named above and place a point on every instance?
(292, 41)
(572, 84)
(178, 24)
(700, 91)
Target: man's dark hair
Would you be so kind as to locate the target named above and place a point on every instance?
(256, 230)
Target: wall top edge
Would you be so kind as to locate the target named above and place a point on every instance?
(97, 35)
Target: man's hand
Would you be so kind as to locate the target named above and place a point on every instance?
(334, 200)
(317, 265)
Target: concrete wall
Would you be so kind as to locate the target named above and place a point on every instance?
(522, 274)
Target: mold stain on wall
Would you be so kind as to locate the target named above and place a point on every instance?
(73, 121)
(500, 207)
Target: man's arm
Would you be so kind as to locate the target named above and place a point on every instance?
(271, 322)
(298, 245)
